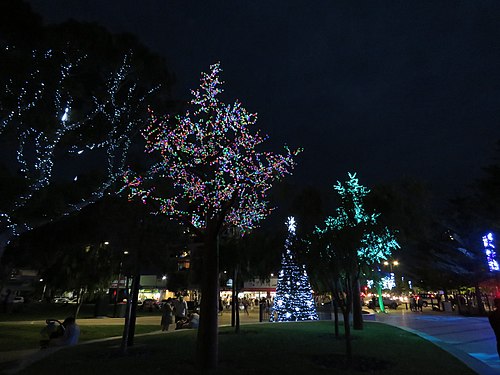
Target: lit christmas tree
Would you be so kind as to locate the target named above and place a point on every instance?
(294, 300)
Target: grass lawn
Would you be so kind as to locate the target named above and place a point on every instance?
(42, 311)
(27, 336)
(289, 348)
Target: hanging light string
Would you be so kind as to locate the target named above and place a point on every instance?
(121, 108)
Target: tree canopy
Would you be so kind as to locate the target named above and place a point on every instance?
(70, 113)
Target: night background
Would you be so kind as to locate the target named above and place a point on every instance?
(388, 89)
(124, 193)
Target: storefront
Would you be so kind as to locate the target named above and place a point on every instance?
(254, 291)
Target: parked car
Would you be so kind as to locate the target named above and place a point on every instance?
(18, 299)
(149, 304)
(65, 300)
(391, 303)
(427, 299)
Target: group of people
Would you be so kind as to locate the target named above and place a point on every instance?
(175, 310)
(416, 304)
(245, 304)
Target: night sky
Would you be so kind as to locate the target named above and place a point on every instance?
(387, 89)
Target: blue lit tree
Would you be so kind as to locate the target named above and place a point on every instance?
(294, 300)
(350, 241)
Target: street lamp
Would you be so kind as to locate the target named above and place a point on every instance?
(391, 264)
(118, 283)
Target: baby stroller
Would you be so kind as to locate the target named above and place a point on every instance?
(52, 330)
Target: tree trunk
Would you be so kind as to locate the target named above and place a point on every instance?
(347, 324)
(479, 300)
(126, 327)
(207, 340)
(234, 296)
(81, 294)
(237, 328)
(335, 302)
(336, 314)
(130, 315)
(357, 316)
(347, 334)
(133, 308)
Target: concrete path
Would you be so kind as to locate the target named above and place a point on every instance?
(470, 339)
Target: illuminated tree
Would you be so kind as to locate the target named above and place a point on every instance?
(220, 179)
(294, 300)
(65, 138)
(348, 242)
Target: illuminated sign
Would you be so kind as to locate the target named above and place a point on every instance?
(489, 249)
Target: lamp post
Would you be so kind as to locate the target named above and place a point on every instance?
(391, 264)
(115, 304)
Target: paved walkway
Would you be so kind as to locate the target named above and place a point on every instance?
(470, 339)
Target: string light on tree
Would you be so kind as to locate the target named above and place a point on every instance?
(352, 235)
(375, 245)
(294, 300)
(211, 157)
(114, 114)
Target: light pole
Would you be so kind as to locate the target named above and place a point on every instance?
(118, 283)
(391, 264)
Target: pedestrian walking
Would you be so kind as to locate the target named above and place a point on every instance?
(245, 305)
(221, 306)
(167, 316)
(494, 319)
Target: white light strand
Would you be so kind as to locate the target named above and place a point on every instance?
(37, 145)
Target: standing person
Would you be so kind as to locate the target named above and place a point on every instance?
(413, 304)
(166, 315)
(494, 319)
(180, 308)
(374, 303)
(420, 304)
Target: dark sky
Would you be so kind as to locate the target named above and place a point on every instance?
(387, 89)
